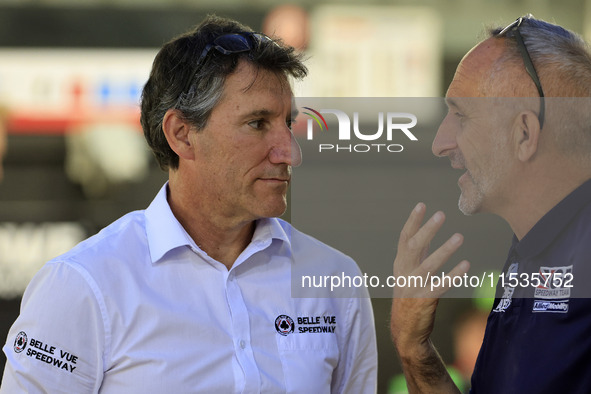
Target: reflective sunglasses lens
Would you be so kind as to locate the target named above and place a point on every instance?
(232, 43)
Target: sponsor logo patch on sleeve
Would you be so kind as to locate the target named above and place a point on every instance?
(46, 353)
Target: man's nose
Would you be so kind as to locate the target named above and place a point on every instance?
(445, 140)
(285, 149)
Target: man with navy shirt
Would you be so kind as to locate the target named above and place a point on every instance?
(519, 125)
(193, 295)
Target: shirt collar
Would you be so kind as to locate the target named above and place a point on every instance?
(553, 223)
(165, 233)
(269, 229)
(163, 230)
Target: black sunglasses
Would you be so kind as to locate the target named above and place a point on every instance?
(227, 44)
(529, 66)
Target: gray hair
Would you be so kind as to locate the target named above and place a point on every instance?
(562, 60)
(174, 82)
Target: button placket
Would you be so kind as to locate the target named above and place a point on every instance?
(241, 334)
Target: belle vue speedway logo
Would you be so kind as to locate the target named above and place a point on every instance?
(390, 124)
(314, 324)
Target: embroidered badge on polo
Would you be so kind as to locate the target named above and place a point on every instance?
(284, 325)
(44, 352)
(20, 343)
(508, 291)
(553, 292)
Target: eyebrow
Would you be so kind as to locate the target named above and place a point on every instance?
(265, 112)
(451, 102)
(456, 103)
(259, 112)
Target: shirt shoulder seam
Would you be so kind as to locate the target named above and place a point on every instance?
(101, 304)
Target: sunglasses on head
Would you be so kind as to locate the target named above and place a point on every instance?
(529, 66)
(227, 44)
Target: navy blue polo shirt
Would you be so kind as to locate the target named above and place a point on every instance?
(538, 335)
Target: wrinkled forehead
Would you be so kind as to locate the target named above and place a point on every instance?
(256, 90)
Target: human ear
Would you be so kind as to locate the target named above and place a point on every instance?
(177, 130)
(526, 133)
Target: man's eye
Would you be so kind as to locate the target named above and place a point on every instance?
(257, 124)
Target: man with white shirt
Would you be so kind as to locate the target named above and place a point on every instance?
(194, 293)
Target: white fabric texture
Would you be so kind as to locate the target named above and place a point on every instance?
(140, 308)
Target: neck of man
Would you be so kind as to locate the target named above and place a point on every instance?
(539, 189)
(222, 237)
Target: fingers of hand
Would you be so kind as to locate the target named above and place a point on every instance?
(414, 239)
(458, 271)
(428, 268)
(420, 240)
(413, 223)
(442, 254)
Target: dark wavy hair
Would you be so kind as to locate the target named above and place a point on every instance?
(173, 83)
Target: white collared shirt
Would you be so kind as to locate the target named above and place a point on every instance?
(140, 308)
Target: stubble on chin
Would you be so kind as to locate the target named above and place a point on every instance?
(466, 202)
(469, 204)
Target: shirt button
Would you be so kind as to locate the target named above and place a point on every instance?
(242, 344)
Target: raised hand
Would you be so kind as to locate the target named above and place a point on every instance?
(414, 306)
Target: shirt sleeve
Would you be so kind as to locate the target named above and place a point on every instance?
(57, 343)
(358, 364)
